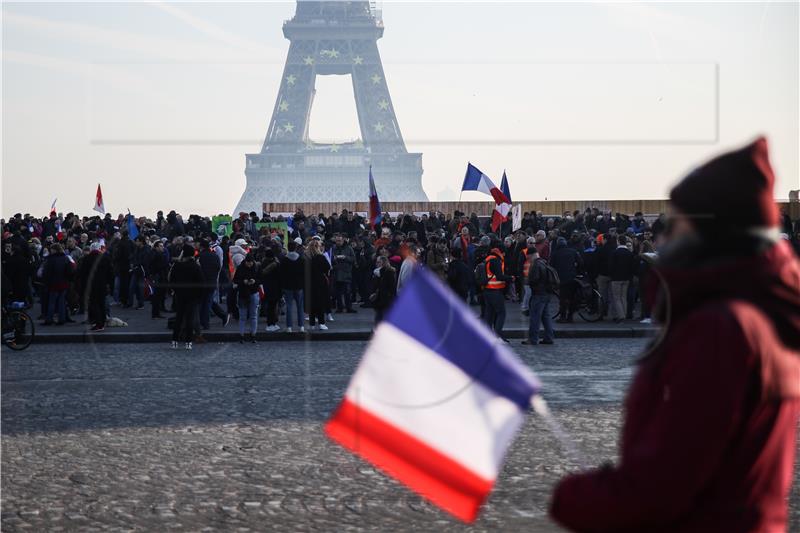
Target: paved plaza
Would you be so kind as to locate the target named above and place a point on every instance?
(229, 437)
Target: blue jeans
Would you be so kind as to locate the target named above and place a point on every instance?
(248, 311)
(293, 298)
(207, 305)
(56, 303)
(540, 315)
(136, 287)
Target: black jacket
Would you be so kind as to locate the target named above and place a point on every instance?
(537, 277)
(243, 273)
(622, 265)
(292, 271)
(385, 288)
(209, 265)
(567, 262)
(186, 279)
(459, 277)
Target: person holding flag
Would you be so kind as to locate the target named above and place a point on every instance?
(709, 438)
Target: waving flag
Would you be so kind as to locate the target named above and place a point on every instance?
(503, 207)
(504, 187)
(475, 180)
(53, 206)
(436, 400)
(133, 230)
(375, 215)
(99, 206)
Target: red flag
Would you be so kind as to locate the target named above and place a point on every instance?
(98, 201)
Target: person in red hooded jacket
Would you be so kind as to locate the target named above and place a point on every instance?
(711, 417)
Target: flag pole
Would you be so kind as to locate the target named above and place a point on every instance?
(540, 408)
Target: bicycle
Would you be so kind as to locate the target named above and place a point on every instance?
(590, 301)
(17, 325)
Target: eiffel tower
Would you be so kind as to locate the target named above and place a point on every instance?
(332, 38)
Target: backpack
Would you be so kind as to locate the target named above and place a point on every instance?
(481, 276)
(551, 280)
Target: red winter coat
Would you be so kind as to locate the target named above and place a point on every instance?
(712, 415)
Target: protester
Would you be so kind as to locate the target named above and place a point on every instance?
(292, 275)
(408, 266)
(247, 285)
(186, 281)
(343, 259)
(567, 262)
(459, 275)
(621, 268)
(493, 292)
(711, 416)
(318, 294)
(97, 280)
(542, 284)
(210, 263)
(57, 272)
(385, 287)
(271, 281)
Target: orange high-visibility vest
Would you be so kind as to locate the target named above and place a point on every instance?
(526, 265)
(493, 282)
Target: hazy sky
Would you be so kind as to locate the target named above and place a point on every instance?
(160, 102)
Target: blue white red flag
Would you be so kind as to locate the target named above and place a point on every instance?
(436, 400)
(504, 187)
(475, 180)
(502, 209)
(375, 214)
(53, 206)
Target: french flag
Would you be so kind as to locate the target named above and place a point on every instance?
(435, 401)
(375, 214)
(475, 180)
(502, 209)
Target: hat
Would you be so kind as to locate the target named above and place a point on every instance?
(485, 241)
(734, 189)
(187, 250)
(241, 242)
(298, 240)
(95, 247)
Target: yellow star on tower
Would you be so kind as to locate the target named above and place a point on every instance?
(376, 79)
(290, 79)
(308, 60)
(378, 127)
(284, 106)
(383, 104)
(288, 127)
(358, 60)
(334, 148)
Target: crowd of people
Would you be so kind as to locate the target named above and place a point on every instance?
(74, 265)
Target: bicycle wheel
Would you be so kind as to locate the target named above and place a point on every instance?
(23, 330)
(591, 309)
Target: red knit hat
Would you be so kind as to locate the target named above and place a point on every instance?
(733, 190)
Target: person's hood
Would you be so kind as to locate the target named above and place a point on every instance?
(292, 256)
(235, 249)
(770, 280)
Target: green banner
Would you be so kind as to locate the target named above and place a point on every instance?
(279, 228)
(222, 220)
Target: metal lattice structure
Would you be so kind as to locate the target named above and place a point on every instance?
(332, 38)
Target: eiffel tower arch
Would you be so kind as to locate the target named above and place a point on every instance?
(332, 38)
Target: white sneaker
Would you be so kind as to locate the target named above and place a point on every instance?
(276, 327)
(174, 345)
(288, 330)
(323, 327)
(302, 329)
(306, 318)
(646, 321)
(188, 345)
(330, 317)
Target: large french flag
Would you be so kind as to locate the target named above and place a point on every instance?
(436, 400)
(475, 180)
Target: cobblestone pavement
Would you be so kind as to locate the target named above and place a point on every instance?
(228, 437)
